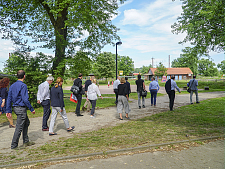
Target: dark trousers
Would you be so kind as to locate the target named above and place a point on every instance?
(93, 103)
(22, 124)
(79, 99)
(116, 92)
(171, 97)
(47, 111)
(153, 96)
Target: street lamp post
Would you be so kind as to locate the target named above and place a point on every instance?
(117, 43)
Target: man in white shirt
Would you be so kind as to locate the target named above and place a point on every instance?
(115, 88)
(43, 98)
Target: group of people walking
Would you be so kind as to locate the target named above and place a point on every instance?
(17, 97)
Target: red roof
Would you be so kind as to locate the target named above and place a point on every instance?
(175, 71)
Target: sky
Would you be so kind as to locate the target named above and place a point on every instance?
(145, 32)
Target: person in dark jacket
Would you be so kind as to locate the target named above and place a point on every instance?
(78, 82)
(128, 86)
(140, 86)
(87, 102)
(3, 98)
(57, 103)
(123, 99)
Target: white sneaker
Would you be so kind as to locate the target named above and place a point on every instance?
(92, 116)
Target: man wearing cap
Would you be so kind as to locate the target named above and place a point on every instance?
(43, 98)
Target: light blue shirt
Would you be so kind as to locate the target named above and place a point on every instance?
(174, 85)
(154, 85)
(116, 84)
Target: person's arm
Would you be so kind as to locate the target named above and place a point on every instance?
(158, 87)
(25, 97)
(144, 85)
(61, 98)
(150, 86)
(175, 85)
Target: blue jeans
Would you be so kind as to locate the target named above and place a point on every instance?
(93, 102)
(153, 95)
(22, 124)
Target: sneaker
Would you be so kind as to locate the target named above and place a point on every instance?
(30, 143)
(197, 102)
(139, 107)
(92, 117)
(47, 129)
(143, 106)
(79, 115)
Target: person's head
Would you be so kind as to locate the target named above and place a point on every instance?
(94, 81)
(173, 77)
(118, 77)
(194, 76)
(4, 82)
(139, 76)
(126, 78)
(80, 75)
(59, 82)
(153, 78)
(122, 80)
(50, 79)
(21, 74)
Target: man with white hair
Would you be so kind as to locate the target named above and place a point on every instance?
(43, 98)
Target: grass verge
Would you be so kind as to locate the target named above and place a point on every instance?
(198, 120)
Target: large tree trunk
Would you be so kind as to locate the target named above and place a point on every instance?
(61, 43)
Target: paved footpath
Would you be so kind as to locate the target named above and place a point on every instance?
(104, 117)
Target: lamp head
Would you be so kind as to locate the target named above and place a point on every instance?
(118, 43)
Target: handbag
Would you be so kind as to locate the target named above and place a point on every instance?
(189, 89)
(144, 93)
(73, 98)
(75, 89)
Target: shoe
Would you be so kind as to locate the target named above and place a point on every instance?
(197, 102)
(30, 143)
(154, 105)
(79, 115)
(191, 103)
(151, 104)
(139, 107)
(143, 106)
(71, 129)
(171, 110)
(92, 117)
(52, 134)
(121, 119)
(47, 129)
(128, 118)
(18, 148)
(12, 126)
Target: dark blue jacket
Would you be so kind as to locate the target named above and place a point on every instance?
(56, 96)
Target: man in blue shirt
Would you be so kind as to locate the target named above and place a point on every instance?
(18, 95)
(153, 88)
(171, 93)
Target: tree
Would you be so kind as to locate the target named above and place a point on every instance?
(161, 70)
(189, 58)
(206, 68)
(105, 65)
(222, 66)
(203, 21)
(126, 64)
(36, 68)
(80, 63)
(61, 25)
(145, 69)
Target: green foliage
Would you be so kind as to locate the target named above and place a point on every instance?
(126, 64)
(143, 69)
(36, 68)
(105, 65)
(80, 63)
(161, 70)
(61, 25)
(222, 66)
(206, 68)
(189, 58)
(203, 21)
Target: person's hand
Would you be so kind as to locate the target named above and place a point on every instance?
(33, 112)
(2, 105)
(87, 99)
(61, 110)
(0, 113)
(38, 102)
(9, 115)
(101, 97)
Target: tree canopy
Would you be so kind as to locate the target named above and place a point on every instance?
(126, 64)
(203, 21)
(61, 25)
(206, 67)
(222, 66)
(161, 70)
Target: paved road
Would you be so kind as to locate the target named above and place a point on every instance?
(208, 156)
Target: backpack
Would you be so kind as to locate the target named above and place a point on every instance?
(168, 86)
(75, 89)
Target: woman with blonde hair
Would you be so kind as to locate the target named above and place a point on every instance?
(57, 103)
(3, 98)
(92, 93)
(123, 99)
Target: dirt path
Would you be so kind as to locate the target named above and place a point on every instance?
(104, 117)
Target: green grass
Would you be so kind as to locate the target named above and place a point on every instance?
(197, 120)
